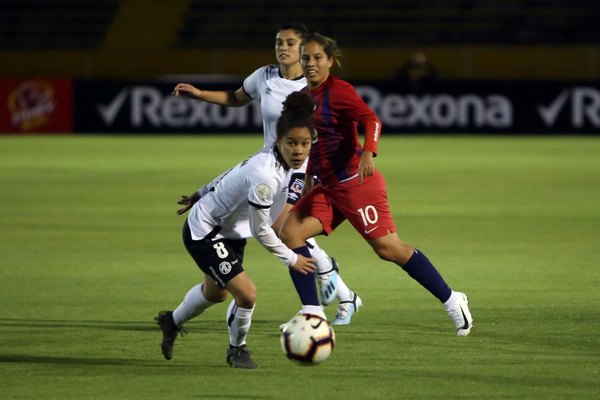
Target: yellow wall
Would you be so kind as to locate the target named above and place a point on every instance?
(359, 63)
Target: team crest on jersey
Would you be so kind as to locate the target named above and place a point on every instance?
(263, 192)
(297, 186)
(225, 267)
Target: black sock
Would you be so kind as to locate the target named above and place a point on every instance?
(421, 270)
(305, 284)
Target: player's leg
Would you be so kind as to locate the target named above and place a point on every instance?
(332, 286)
(194, 303)
(197, 300)
(377, 227)
(297, 229)
(330, 282)
(374, 222)
(239, 319)
(418, 267)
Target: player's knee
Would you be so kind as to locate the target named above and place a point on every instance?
(393, 252)
(287, 235)
(217, 297)
(246, 299)
(385, 253)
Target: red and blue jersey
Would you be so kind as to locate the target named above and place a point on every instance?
(339, 110)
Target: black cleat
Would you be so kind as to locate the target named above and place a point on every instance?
(239, 357)
(164, 319)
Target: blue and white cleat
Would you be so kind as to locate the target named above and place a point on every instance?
(346, 309)
(328, 283)
(457, 307)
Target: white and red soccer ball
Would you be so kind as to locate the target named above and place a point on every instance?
(307, 339)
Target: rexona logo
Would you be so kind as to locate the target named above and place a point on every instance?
(146, 105)
(439, 110)
(583, 104)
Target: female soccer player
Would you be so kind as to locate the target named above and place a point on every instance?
(350, 187)
(270, 85)
(240, 203)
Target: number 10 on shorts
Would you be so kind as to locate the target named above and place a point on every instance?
(369, 215)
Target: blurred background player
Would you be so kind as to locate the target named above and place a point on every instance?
(417, 74)
(350, 187)
(270, 85)
(240, 203)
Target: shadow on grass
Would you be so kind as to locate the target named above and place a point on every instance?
(63, 360)
(138, 326)
(199, 324)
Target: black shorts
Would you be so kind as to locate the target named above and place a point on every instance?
(221, 259)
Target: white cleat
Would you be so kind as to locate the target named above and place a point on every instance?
(458, 309)
(346, 309)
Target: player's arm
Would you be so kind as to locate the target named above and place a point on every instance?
(189, 201)
(229, 98)
(355, 109)
(372, 128)
(262, 231)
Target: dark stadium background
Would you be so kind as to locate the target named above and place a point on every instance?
(475, 43)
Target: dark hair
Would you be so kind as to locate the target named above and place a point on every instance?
(329, 45)
(298, 109)
(300, 29)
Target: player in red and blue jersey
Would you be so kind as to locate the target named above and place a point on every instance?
(350, 187)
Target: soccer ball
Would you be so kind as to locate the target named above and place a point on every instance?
(307, 339)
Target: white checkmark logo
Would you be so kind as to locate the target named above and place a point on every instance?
(549, 113)
(370, 230)
(109, 112)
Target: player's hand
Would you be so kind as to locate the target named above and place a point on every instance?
(366, 167)
(188, 202)
(185, 89)
(304, 265)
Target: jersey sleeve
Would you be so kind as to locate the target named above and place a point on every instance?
(356, 109)
(295, 187)
(251, 83)
(260, 199)
(261, 229)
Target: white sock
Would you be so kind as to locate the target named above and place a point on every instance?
(343, 293)
(324, 265)
(192, 305)
(238, 323)
(322, 260)
(451, 300)
(316, 310)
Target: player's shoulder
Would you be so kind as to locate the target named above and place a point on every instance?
(260, 73)
(263, 163)
(271, 71)
(339, 83)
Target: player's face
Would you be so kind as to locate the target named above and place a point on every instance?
(315, 63)
(295, 146)
(287, 47)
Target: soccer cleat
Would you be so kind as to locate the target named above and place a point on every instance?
(164, 319)
(458, 309)
(239, 357)
(346, 309)
(328, 283)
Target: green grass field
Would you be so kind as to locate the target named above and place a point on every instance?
(90, 250)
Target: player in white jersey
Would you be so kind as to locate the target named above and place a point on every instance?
(241, 203)
(270, 85)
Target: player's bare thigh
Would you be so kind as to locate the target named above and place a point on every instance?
(241, 288)
(299, 227)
